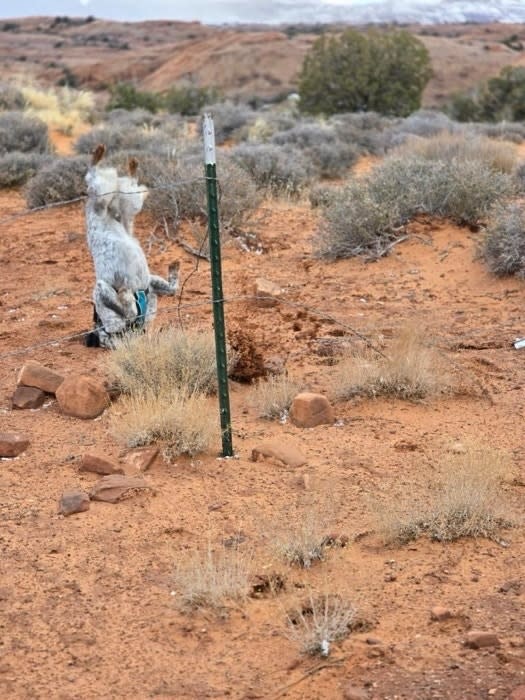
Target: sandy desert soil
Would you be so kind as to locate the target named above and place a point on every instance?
(86, 604)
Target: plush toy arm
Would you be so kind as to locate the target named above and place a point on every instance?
(106, 296)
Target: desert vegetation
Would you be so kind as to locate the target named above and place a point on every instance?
(365, 220)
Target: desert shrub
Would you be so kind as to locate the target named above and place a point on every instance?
(467, 502)
(329, 155)
(17, 168)
(166, 360)
(178, 188)
(19, 132)
(188, 100)
(116, 139)
(321, 195)
(181, 422)
(127, 96)
(365, 216)
(269, 123)
(504, 242)
(499, 98)
(125, 118)
(319, 622)
(355, 222)
(59, 181)
(211, 579)
(280, 170)
(408, 369)
(11, 98)
(369, 135)
(503, 131)
(272, 397)
(229, 119)
(499, 156)
(384, 72)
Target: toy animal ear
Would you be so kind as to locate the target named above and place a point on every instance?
(133, 165)
(98, 153)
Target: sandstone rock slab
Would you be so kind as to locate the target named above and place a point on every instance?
(27, 397)
(112, 488)
(309, 410)
(82, 397)
(12, 444)
(73, 501)
(37, 375)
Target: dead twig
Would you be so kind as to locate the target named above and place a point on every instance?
(310, 672)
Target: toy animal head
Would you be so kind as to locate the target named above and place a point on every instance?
(102, 183)
(131, 196)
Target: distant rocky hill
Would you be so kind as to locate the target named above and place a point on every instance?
(241, 61)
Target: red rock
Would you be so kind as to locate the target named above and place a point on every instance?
(142, 458)
(308, 410)
(27, 397)
(98, 465)
(275, 449)
(74, 501)
(35, 374)
(439, 614)
(12, 444)
(479, 640)
(518, 693)
(113, 487)
(266, 292)
(82, 397)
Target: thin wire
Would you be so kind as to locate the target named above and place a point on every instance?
(205, 302)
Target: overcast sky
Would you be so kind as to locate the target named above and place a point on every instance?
(208, 11)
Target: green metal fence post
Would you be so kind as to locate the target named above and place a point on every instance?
(216, 282)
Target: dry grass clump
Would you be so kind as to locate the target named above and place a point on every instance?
(22, 133)
(497, 155)
(322, 620)
(165, 376)
(302, 541)
(17, 168)
(182, 422)
(272, 397)
(64, 109)
(409, 370)
(164, 361)
(504, 243)
(211, 579)
(59, 181)
(465, 504)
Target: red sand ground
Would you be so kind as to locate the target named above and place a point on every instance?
(86, 609)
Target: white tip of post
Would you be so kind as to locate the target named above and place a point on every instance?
(208, 131)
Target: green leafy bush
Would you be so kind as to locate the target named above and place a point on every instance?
(188, 100)
(127, 96)
(500, 98)
(383, 72)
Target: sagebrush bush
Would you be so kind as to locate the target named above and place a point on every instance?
(280, 170)
(504, 242)
(116, 138)
(366, 215)
(301, 541)
(166, 360)
(497, 155)
(59, 181)
(129, 118)
(211, 579)
(330, 156)
(229, 119)
(273, 396)
(409, 369)
(504, 131)
(319, 622)
(19, 132)
(467, 502)
(11, 98)
(17, 168)
(177, 188)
